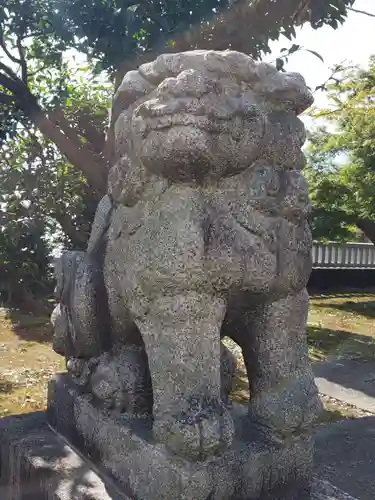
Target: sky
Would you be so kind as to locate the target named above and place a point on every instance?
(353, 42)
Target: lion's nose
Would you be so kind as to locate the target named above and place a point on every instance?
(188, 83)
(153, 108)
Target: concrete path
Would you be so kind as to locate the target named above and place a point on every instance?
(345, 456)
(345, 451)
(351, 381)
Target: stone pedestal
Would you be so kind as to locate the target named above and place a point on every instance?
(36, 463)
(125, 450)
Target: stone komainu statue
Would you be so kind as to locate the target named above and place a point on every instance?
(203, 234)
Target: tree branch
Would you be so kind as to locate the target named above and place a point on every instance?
(14, 85)
(76, 237)
(57, 116)
(361, 12)
(94, 168)
(8, 54)
(239, 26)
(8, 71)
(22, 61)
(42, 68)
(90, 132)
(6, 99)
(5, 49)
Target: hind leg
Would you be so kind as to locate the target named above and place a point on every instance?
(284, 399)
(283, 396)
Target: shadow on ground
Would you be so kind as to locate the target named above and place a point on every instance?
(53, 469)
(365, 308)
(342, 281)
(29, 327)
(345, 456)
(324, 342)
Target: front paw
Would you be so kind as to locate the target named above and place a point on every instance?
(204, 429)
(80, 370)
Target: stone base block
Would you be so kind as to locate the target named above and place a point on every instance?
(37, 464)
(125, 450)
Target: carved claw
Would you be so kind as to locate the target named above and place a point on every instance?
(205, 429)
(286, 411)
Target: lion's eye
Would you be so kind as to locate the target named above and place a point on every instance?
(273, 188)
(251, 111)
(262, 172)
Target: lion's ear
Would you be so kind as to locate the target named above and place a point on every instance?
(285, 91)
(132, 87)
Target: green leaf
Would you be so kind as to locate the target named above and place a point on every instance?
(294, 48)
(133, 8)
(279, 64)
(316, 54)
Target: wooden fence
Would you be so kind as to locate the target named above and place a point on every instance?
(343, 256)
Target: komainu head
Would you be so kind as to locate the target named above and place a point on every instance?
(201, 115)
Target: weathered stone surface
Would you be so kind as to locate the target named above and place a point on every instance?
(121, 381)
(204, 233)
(61, 329)
(253, 468)
(100, 224)
(79, 316)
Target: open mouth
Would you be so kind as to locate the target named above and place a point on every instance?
(165, 122)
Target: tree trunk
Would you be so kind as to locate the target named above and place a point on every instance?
(77, 238)
(22, 297)
(93, 167)
(367, 226)
(87, 130)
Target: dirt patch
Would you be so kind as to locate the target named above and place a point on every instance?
(338, 326)
(342, 326)
(27, 362)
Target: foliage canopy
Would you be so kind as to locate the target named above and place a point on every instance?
(344, 194)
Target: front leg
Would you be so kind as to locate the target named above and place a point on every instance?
(284, 398)
(182, 339)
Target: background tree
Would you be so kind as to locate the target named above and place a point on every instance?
(32, 165)
(45, 203)
(343, 193)
(35, 88)
(34, 34)
(24, 256)
(120, 33)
